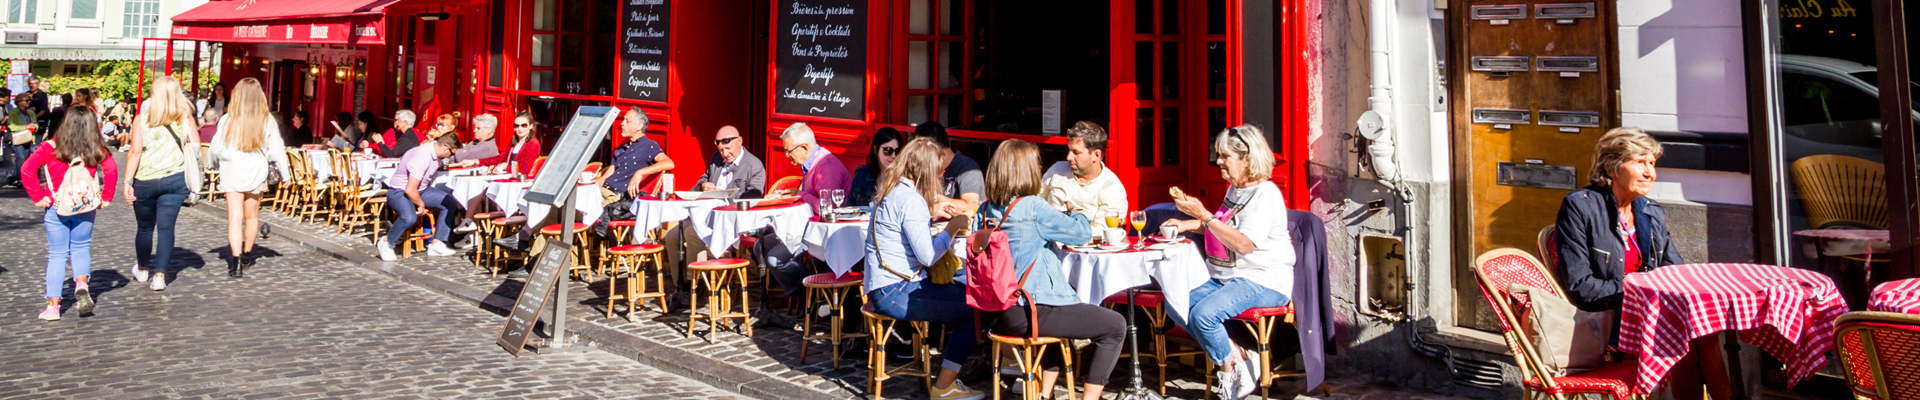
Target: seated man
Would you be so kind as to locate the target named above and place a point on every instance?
(731, 167)
(965, 186)
(619, 183)
(410, 195)
(821, 171)
(1083, 182)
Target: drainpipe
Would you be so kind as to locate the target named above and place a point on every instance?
(1375, 124)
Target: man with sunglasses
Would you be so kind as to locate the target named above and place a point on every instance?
(731, 167)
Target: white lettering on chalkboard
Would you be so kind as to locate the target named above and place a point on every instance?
(820, 51)
(821, 67)
(819, 76)
(800, 8)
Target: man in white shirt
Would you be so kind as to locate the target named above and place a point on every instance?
(1083, 182)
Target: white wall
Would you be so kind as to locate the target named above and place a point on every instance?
(1682, 66)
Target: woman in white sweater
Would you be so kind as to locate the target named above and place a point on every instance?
(244, 143)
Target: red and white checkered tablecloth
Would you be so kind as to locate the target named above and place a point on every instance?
(1787, 312)
(1901, 296)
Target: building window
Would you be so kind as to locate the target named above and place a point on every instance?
(142, 19)
(23, 11)
(85, 9)
(559, 60)
(937, 59)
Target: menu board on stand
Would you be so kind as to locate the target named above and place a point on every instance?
(644, 41)
(821, 58)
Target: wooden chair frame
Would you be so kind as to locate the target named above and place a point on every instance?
(1857, 323)
(1524, 352)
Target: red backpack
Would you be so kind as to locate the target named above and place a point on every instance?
(991, 285)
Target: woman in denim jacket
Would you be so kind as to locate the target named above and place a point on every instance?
(1032, 225)
(902, 245)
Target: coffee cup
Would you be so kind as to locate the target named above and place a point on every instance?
(1169, 231)
(1113, 236)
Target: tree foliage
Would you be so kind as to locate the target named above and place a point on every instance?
(120, 80)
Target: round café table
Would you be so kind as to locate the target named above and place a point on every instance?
(651, 212)
(725, 224)
(321, 162)
(1787, 312)
(1095, 275)
(840, 244)
(1901, 296)
(509, 196)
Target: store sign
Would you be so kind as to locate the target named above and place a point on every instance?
(821, 59)
(1817, 9)
(331, 32)
(645, 26)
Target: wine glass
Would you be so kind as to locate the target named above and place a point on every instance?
(1139, 222)
(839, 198)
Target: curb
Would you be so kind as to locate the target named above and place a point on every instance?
(667, 358)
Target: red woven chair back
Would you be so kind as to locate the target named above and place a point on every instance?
(1880, 353)
(1500, 268)
(1549, 244)
(786, 183)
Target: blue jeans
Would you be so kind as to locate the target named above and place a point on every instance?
(436, 199)
(156, 206)
(16, 159)
(1213, 303)
(940, 304)
(69, 242)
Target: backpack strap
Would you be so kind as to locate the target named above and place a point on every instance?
(873, 237)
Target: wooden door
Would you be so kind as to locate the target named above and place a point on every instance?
(1177, 57)
(1536, 88)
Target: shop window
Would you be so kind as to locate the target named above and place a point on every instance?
(141, 19)
(558, 59)
(402, 65)
(937, 34)
(23, 11)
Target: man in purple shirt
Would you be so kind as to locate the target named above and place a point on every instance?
(410, 195)
(821, 171)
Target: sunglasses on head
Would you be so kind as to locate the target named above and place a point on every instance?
(889, 151)
(723, 142)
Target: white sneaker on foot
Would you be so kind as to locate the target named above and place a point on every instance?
(158, 282)
(1249, 373)
(957, 391)
(386, 250)
(466, 227)
(438, 249)
(1226, 382)
(140, 275)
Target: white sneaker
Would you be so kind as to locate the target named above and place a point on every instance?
(957, 391)
(1249, 373)
(158, 282)
(466, 227)
(466, 244)
(1226, 382)
(386, 250)
(140, 275)
(438, 249)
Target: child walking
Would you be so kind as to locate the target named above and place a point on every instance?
(69, 237)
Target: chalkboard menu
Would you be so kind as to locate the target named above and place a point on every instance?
(644, 29)
(821, 58)
(526, 308)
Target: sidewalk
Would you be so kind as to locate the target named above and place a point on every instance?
(765, 366)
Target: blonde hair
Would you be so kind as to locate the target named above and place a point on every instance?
(919, 162)
(167, 106)
(1247, 141)
(1014, 172)
(247, 116)
(1616, 147)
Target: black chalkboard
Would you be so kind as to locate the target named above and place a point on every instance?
(533, 296)
(645, 27)
(821, 59)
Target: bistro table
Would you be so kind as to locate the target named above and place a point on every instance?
(377, 170)
(725, 224)
(510, 197)
(465, 186)
(1177, 266)
(651, 212)
(1901, 296)
(841, 244)
(321, 162)
(1787, 312)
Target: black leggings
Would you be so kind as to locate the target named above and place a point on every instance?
(1080, 321)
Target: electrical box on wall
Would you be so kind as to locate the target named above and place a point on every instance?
(1383, 262)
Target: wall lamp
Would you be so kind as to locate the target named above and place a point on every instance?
(435, 16)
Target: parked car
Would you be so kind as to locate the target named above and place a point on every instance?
(1830, 106)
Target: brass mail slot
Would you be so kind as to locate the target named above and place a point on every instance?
(1499, 63)
(1536, 175)
(1566, 64)
(1565, 12)
(1502, 116)
(1499, 11)
(1585, 119)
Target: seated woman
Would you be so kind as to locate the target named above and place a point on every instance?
(1249, 254)
(1610, 229)
(900, 247)
(880, 153)
(445, 124)
(520, 155)
(1013, 181)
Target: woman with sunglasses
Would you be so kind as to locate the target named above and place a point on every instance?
(1249, 254)
(520, 155)
(880, 154)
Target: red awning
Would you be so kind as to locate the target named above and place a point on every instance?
(285, 21)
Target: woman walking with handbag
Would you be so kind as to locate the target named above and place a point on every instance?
(164, 177)
(70, 202)
(251, 158)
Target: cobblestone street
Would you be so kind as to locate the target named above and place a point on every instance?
(300, 325)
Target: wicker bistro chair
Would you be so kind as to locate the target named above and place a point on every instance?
(630, 268)
(1880, 353)
(1028, 351)
(1498, 268)
(879, 329)
(723, 282)
(832, 291)
(1841, 191)
(1164, 334)
(786, 183)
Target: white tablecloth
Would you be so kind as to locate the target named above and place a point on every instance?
(650, 214)
(510, 197)
(375, 170)
(466, 188)
(1179, 270)
(724, 227)
(842, 244)
(321, 162)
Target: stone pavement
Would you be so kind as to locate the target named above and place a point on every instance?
(301, 325)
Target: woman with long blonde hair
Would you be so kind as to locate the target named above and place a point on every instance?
(901, 248)
(157, 187)
(245, 145)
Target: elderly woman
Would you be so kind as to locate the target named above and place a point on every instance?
(1610, 229)
(483, 146)
(1249, 254)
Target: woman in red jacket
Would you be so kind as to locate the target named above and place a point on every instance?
(69, 238)
(519, 157)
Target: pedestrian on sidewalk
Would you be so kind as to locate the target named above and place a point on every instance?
(69, 237)
(162, 134)
(411, 194)
(247, 147)
(22, 130)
